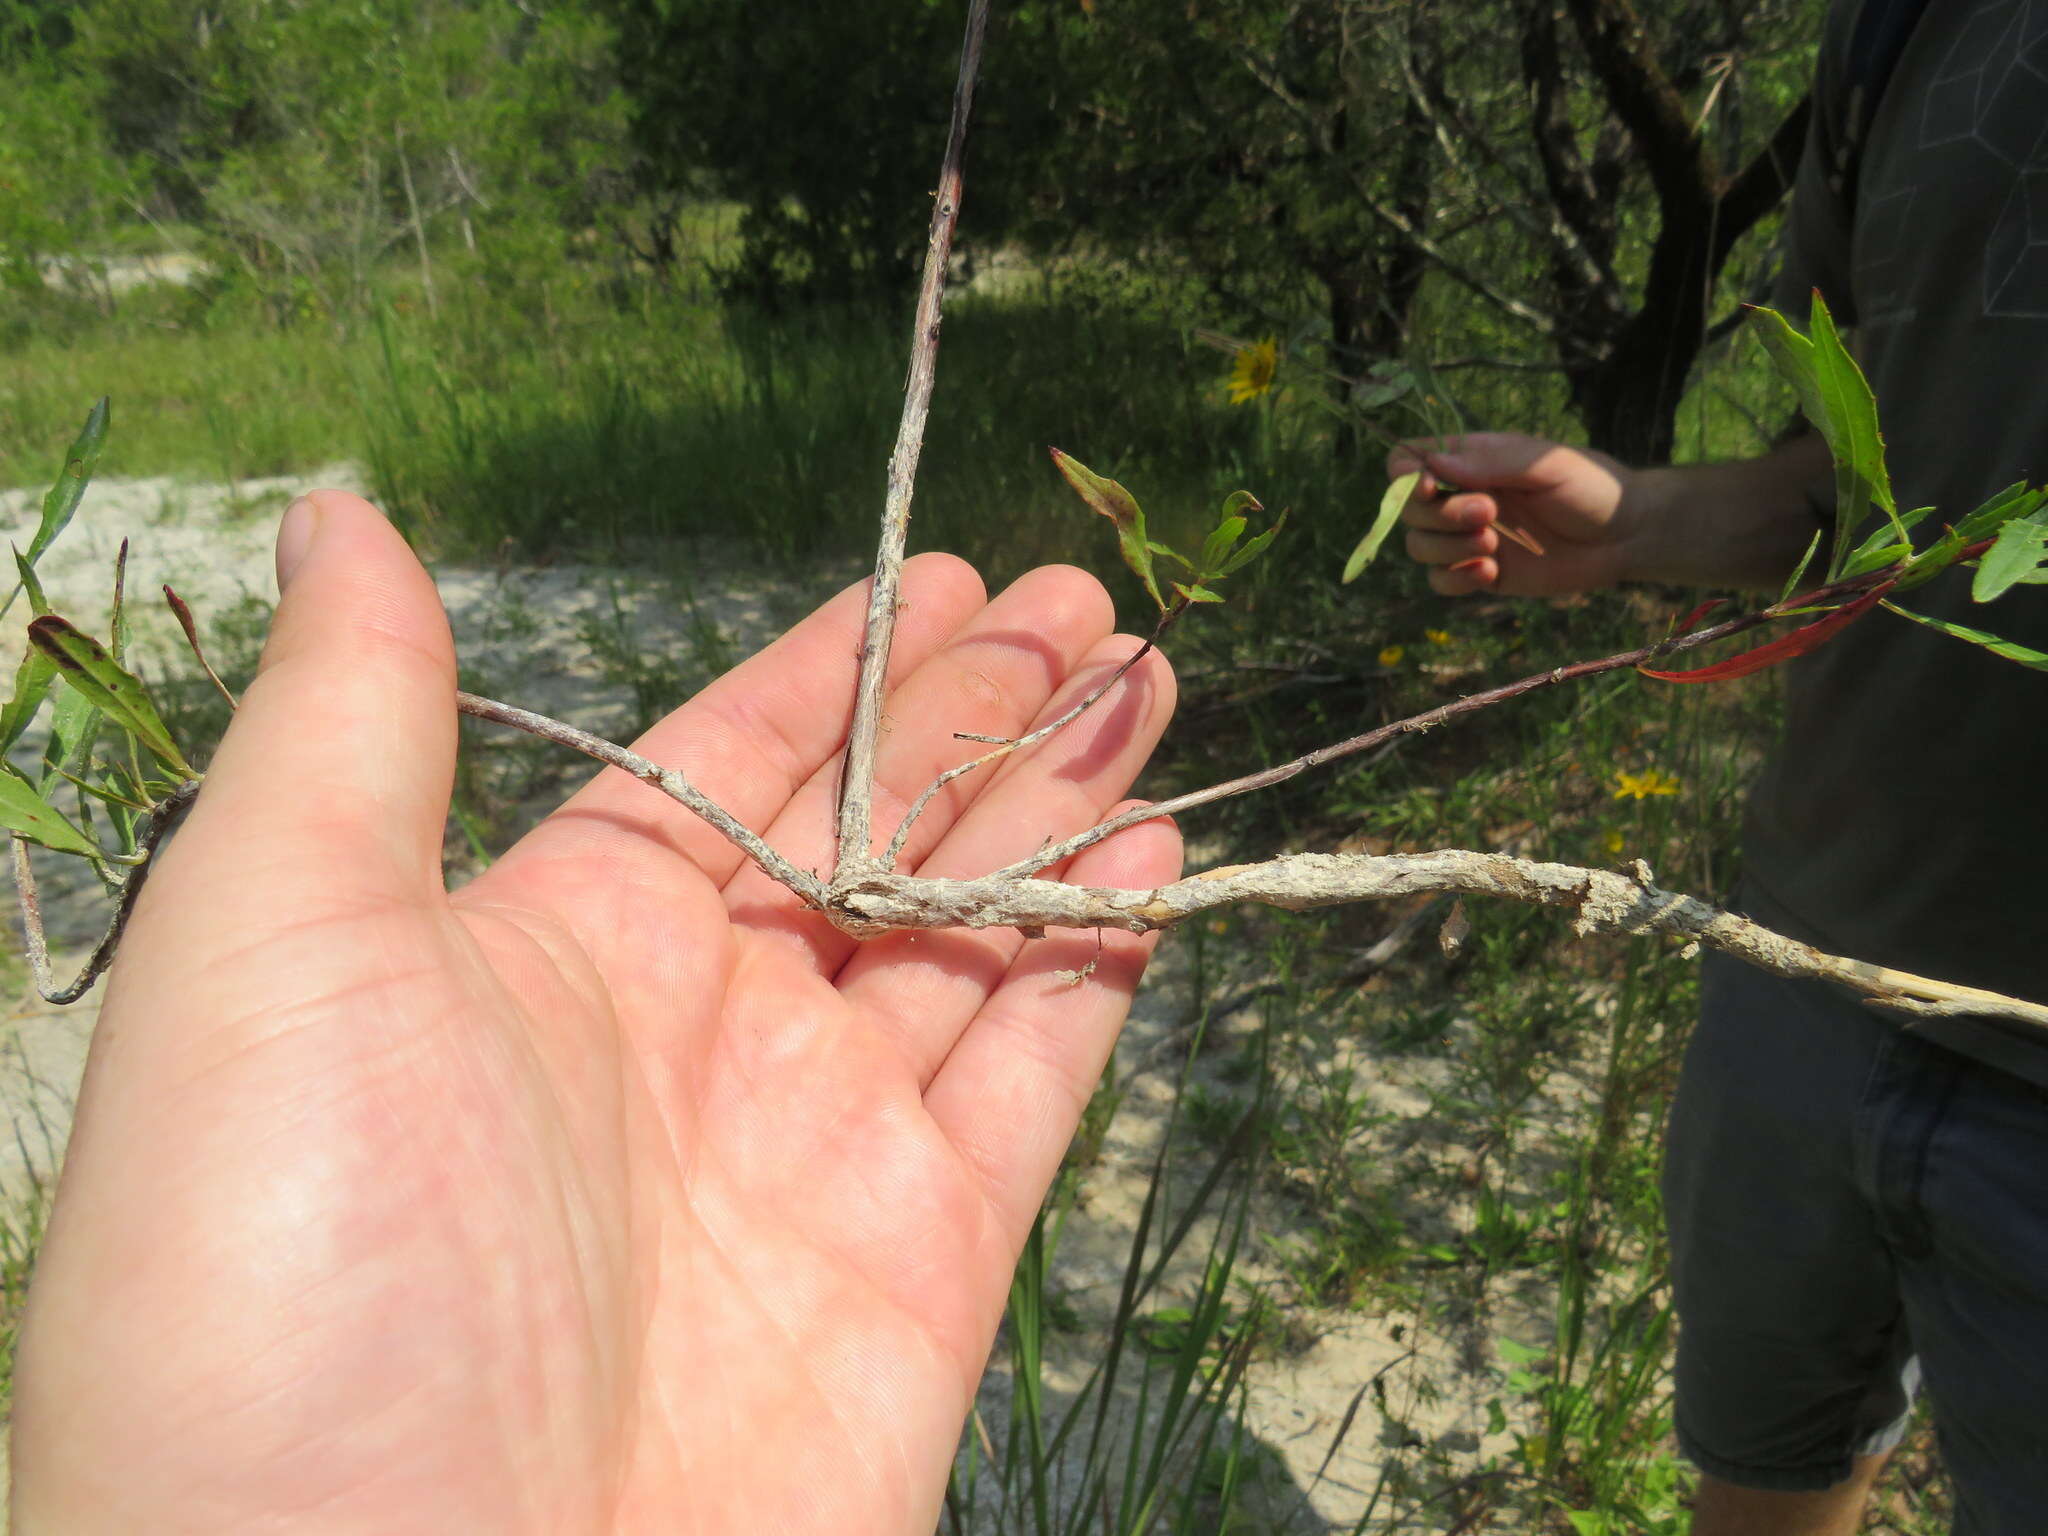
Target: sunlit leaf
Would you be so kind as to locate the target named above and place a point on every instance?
(1860, 474)
(24, 811)
(1197, 593)
(1391, 503)
(32, 681)
(32, 584)
(69, 488)
(85, 664)
(1121, 508)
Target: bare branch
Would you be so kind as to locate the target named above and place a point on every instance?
(857, 784)
(1279, 773)
(667, 780)
(1606, 902)
(1004, 748)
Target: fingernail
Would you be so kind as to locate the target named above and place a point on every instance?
(295, 537)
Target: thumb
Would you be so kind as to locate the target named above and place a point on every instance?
(337, 767)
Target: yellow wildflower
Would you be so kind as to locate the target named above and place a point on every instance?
(1437, 636)
(1640, 786)
(1252, 370)
(1391, 655)
(1614, 842)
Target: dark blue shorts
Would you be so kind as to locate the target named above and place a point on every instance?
(1853, 1210)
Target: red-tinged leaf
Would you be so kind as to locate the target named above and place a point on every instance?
(1685, 625)
(1806, 638)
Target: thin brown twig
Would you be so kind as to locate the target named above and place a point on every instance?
(1005, 745)
(667, 780)
(1281, 772)
(857, 782)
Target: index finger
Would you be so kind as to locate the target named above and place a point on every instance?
(750, 739)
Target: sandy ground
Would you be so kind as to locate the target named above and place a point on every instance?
(554, 639)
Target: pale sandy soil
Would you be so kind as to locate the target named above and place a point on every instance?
(551, 639)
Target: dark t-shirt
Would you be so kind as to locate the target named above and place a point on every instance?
(1903, 819)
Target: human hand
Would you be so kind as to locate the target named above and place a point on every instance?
(1571, 499)
(616, 1191)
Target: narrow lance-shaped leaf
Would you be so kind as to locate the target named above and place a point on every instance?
(2016, 500)
(1807, 637)
(32, 681)
(1798, 575)
(24, 811)
(1391, 503)
(118, 625)
(1121, 508)
(1253, 547)
(1860, 475)
(2011, 559)
(2009, 649)
(69, 488)
(96, 677)
(33, 677)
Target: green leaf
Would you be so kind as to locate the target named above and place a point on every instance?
(2016, 500)
(38, 604)
(1874, 555)
(1799, 571)
(2010, 650)
(1860, 475)
(1837, 400)
(2014, 555)
(74, 727)
(1254, 547)
(64, 496)
(1121, 508)
(24, 811)
(1885, 542)
(32, 681)
(100, 680)
(1197, 593)
(1221, 542)
(1391, 503)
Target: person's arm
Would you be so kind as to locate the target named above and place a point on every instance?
(1599, 522)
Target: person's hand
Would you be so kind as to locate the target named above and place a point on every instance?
(615, 1192)
(1570, 500)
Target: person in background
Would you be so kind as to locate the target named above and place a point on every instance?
(1855, 1207)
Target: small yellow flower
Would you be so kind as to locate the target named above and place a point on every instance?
(1252, 370)
(1391, 655)
(1640, 786)
(1614, 842)
(1437, 636)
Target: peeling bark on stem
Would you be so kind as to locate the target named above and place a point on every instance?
(1605, 901)
(857, 781)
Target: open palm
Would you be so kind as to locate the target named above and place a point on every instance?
(615, 1191)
